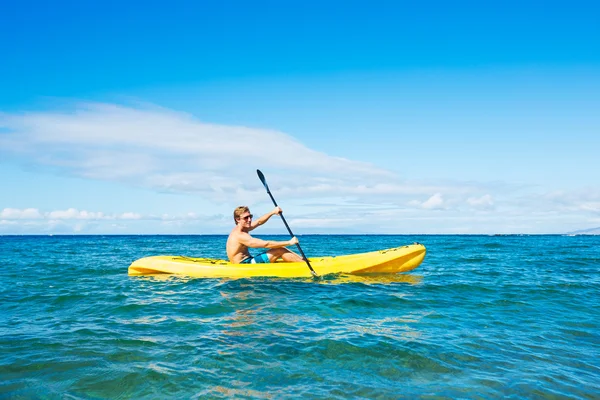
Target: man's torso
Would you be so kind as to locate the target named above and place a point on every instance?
(236, 251)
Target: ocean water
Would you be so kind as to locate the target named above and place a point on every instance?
(482, 317)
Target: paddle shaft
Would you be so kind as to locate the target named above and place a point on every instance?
(262, 178)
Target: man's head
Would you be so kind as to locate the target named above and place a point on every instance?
(242, 213)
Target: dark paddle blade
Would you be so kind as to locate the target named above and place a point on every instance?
(262, 179)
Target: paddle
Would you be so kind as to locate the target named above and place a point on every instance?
(264, 182)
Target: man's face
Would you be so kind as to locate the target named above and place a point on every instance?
(245, 219)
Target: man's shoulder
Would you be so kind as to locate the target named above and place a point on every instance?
(235, 234)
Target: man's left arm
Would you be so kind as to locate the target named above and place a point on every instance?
(265, 218)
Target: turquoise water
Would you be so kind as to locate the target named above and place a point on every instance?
(482, 317)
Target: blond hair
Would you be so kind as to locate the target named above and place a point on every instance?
(239, 211)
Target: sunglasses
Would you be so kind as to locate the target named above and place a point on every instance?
(247, 217)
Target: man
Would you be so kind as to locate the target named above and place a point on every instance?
(240, 240)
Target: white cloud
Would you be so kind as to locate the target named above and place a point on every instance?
(435, 202)
(73, 221)
(62, 215)
(167, 150)
(130, 215)
(585, 200)
(4, 222)
(485, 202)
(14, 213)
(322, 222)
(590, 206)
(73, 213)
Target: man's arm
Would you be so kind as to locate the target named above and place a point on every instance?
(252, 242)
(265, 218)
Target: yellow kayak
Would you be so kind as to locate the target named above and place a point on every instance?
(389, 261)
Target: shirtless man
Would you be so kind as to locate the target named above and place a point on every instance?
(240, 240)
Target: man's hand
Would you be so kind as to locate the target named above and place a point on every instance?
(293, 241)
(276, 211)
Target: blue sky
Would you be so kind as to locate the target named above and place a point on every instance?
(366, 117)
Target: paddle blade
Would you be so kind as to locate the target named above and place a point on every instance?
(262, 179)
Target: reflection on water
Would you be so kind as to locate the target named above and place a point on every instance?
(237, 393)
(325, 279)
(373, 279)
(239, 319)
